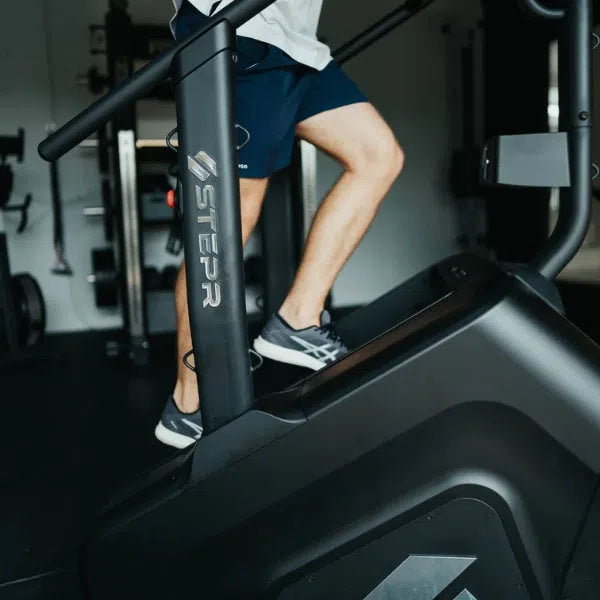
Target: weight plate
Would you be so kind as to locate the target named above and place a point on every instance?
(169, 277)
(106, 283)
(30, 308)
(152, 279)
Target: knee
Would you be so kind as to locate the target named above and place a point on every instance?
(380, 157)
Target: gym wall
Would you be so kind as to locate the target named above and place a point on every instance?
(45, 45)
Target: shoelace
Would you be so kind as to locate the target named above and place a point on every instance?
(331, 333)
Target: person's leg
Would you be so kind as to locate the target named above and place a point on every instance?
(358, 137)
(252, 193)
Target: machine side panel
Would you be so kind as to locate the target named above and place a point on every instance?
(294, 507)
(520, 353)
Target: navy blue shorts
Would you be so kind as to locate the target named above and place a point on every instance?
(273, 94)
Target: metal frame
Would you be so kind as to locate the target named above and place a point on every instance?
(380, 29)
(279, 234)
(576, 118)
(307, 187)
(288, 211)
(212, 225)
(131, 250)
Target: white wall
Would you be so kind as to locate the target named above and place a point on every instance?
(44, 46)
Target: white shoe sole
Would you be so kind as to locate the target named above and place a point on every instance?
(172, 438)
(285, 355)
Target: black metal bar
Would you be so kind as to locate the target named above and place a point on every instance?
(212, 227)
(56, 207)
(545, 12)
(279, 243)
(374, 33)
(142, 83)
(576, 118)
(467, 57)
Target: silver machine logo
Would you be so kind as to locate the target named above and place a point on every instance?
(203, 167)
(423, 578)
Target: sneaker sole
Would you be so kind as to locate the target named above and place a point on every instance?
(172, 438)
(286, 355)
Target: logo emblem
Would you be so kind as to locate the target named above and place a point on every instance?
(203, 167)
(423, 578)
(321, 352)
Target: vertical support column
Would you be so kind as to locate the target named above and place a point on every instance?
(288, 212)
(307, 185)
(279, 239)
(575, 64)
(212, 225)
(516, 102)
(131, 250)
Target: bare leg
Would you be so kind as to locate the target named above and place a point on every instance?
(358, 137)
(252, 192)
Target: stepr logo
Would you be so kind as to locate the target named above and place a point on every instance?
(423, 578)
(203, 167)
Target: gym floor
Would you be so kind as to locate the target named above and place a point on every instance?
(78, 426)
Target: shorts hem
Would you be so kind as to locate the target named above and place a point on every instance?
(326, 108)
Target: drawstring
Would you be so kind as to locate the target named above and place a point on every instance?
(253, 353)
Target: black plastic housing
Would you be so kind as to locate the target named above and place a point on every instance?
(212, 226)
(453, 432)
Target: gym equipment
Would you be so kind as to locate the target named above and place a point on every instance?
(168, 277)
(22, 311)
(12, 145)
(61, 265)
(453, 454)
(154, 189)
(22, 308)
(132, 197)
(254, 270)
(9, 146)
(123, 42)
(106, 282)
(104, 278)
(30, 309)
(152, 278)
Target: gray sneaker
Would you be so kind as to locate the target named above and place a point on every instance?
(178, 429)
(313, 347)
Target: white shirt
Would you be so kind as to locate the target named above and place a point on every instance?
(290, 25)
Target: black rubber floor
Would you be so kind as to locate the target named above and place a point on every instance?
(72, 430)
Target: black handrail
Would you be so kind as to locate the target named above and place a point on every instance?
(140, 84)
(576, 118)
(545, 12)
(374, 33)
